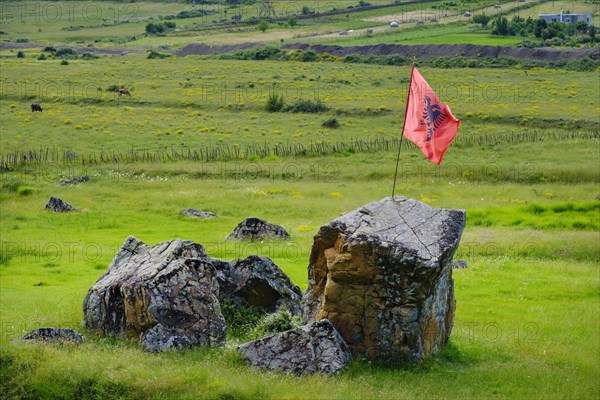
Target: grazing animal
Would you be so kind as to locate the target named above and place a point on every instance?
(123, 91)
(36, 107)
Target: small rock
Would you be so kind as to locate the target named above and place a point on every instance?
(192, 212)
(459, 264)
(255, 229)
(316, 347)
(54, 335)
(74, 181)
(57, 205)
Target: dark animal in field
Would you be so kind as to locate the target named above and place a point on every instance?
(36, 107)
(123, 91)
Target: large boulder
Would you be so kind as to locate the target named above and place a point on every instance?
(169, 295)
(316, 347)
(257, 282)
(166, 295)
(382, 274)
(255, 229)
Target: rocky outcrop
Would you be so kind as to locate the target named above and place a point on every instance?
(192, 212)
(382, 274)
(257, 282)
(166, 295)
(53, 335)
(255, 229)
(57, 205)
(316, 347)
(169, 295)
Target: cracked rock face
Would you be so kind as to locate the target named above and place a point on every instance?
(382, 274)
(316, 347)
(54, 335)
(257, 282)
(167, 295)
(57, 205)
(255, 229)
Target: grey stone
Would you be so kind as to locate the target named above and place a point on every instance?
(316, 347)
(257, 282)
(54, 335)
(169, 289)
(459, 264)
(169, 295)
(255, 229)
(74, 181)
(57, 205)
(192, 212)
(382, 274)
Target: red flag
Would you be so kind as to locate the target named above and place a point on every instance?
(428, 122)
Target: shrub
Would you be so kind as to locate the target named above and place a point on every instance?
(307, 106)
(22, 40)
(64, 62)
(20, 54)
(50, 49)
(66, 52)
(277, 322)
(263, 26)
(89, 56)
(24, 191)
(331, 123)
(275, 103)
(240, 320)
(42, 57)
(155, 54)
(12, 184)
(160, 27)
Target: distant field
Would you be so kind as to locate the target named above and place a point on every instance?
(195, 134)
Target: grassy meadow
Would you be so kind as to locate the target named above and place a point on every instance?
(195, 134)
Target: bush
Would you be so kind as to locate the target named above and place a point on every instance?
(307, 106)
(275, 103)
(277, 322)
(64, 62)
(24, 191)
(42, 57)
(331, 123)
(89, 56)
(160, 27)
(20, 54)
(155, 54)
(240, 320)
(50, 49)
(66, 52)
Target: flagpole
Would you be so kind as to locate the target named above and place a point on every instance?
(403, 126)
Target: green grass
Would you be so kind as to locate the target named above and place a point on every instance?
(524, 165)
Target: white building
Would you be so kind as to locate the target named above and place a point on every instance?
(567, 18)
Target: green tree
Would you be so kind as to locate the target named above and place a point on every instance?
(592, 33)
(482, 19)
(581, 27)
(263, 26)
(501, 27)
(292, 21)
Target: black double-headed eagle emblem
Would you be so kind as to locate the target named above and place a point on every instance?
(432, 117)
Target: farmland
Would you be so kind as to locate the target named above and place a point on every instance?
(195, 133)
